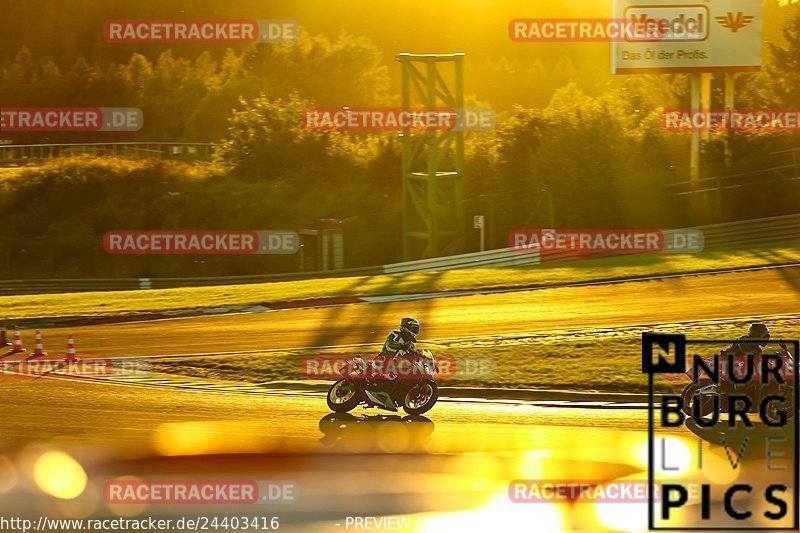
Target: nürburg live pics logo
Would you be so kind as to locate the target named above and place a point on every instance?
(722, 434)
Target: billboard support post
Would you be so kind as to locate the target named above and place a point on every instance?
(705, 99)
(694, 159)
(730, 102)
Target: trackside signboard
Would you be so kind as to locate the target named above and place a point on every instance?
(688, 36)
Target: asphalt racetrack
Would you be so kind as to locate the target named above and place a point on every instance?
(459, 458)
(448, 471)
(667, 301)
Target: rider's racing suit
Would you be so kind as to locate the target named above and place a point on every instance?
(393, 346)
(741, 347)
(394, 343)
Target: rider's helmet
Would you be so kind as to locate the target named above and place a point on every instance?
(409, 328)
(759, 330)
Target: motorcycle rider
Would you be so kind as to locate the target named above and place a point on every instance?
(401, 339)
(748, 384)
(758, 332)
(399, 342)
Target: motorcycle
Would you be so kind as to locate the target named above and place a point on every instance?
(406, 381)
(704, 396)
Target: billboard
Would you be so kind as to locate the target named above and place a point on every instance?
(688, 36)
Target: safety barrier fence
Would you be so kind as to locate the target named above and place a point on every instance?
(21, 152)
(734, 235)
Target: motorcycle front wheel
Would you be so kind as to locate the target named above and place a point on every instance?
(343, 396)
(773, 409)
(706, 400)
(420, 398)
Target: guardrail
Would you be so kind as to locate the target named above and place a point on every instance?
(764, 231)
(51, 286)
(13, 152)
(503, 257)
(492, 258)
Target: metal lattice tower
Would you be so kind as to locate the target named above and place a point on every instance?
(433, 161)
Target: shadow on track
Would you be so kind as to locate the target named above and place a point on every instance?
(380, 433)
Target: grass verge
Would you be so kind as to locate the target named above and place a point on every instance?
(608, 361)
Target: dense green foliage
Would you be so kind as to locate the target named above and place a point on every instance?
(587, 151)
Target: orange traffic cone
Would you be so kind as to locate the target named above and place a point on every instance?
(3, 338)
(70, 358)
(38, 348)
(17, 347)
